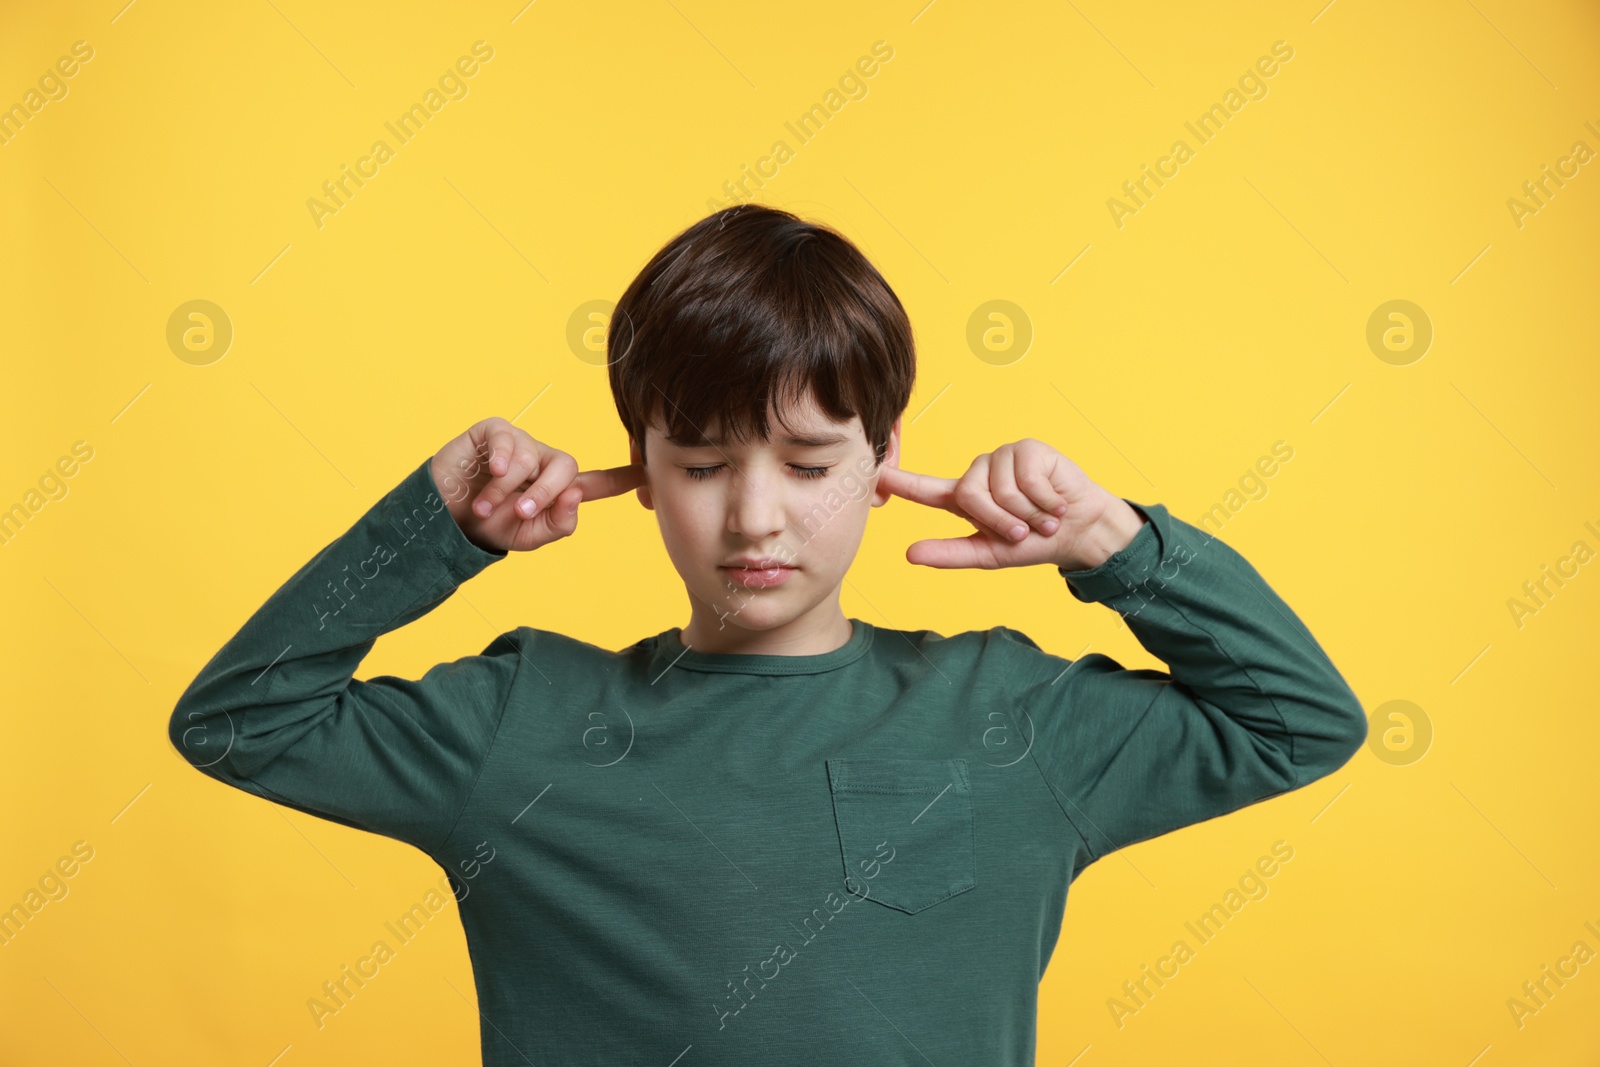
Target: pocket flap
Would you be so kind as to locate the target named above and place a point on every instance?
(906, 829)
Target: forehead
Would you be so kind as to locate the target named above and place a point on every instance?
(802, 425)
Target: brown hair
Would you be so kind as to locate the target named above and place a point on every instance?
(753, 306)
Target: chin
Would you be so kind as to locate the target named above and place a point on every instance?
(766, 611)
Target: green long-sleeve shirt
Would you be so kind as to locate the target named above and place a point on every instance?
(664, 856)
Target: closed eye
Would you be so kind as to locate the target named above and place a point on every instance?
(702, 473)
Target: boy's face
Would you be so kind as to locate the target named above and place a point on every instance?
(799, 500)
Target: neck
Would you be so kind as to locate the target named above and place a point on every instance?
(821, 629)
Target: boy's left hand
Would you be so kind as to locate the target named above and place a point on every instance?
(1030, 505)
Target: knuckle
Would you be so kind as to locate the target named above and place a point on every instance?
(1011, 498)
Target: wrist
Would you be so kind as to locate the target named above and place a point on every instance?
(453, 489)
(1110, 534)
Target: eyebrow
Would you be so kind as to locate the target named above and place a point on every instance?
(818, 440)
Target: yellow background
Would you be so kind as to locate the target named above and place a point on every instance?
(1228, 314)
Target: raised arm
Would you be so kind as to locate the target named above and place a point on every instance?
(277, 711)
(1250, 707)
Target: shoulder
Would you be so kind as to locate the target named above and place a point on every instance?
(998, 649)
(548, 652)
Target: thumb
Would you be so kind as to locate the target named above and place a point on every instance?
(565, 517)
(974, 550)
(559, 519)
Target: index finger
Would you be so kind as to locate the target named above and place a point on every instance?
(612, 481)
(920, 488)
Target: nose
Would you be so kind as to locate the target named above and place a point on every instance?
(756, 502)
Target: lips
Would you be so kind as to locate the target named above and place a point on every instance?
(764, 575)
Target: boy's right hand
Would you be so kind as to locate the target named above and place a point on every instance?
(511, 493)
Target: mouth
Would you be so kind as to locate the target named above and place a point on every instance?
(762, 574)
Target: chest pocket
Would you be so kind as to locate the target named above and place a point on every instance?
(905, 829)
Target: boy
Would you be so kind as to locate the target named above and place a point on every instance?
(775, 835)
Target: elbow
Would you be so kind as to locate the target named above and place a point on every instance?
(1358, 728)
(203, 737)
(1353, 718)
(1354, 737)
(180, 723)
(1340, 733)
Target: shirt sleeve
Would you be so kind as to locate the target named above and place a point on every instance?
(277, 712)
(1252, 706)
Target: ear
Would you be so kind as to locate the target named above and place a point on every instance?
(891, 458)
(635, 455)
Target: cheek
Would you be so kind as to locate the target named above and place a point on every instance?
(689, 522)
(842, 522)
(852, 523)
